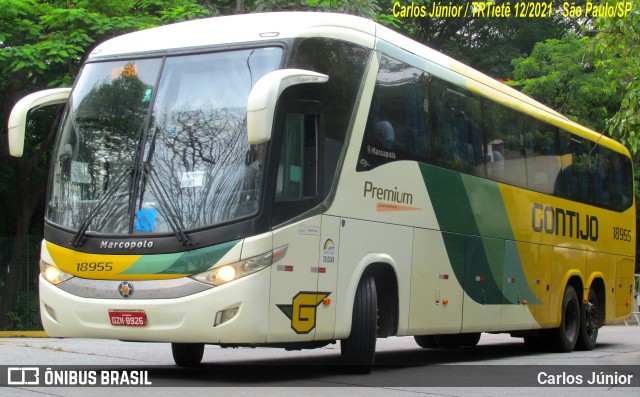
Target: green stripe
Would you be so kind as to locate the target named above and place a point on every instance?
(478, 236)
(189, 262)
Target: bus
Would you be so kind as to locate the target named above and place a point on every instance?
(296, 179)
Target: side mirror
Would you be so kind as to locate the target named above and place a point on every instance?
(18, 117)
(264, 96)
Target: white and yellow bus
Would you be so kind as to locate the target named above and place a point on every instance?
(296, 179)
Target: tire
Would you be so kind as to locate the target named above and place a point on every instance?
(536, 341)
(426, 341)
(449, 341)
(456, 341)
(470, 340)
(565, 337)
(590, 320)
(187, 354)
(358, 350)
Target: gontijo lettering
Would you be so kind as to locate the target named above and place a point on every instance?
(560, 222)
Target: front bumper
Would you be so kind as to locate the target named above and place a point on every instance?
(188, 319)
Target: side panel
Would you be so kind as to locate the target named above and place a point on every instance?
(294, 296)
(328, 277)
(624, 286)
(536, 261)
(361, 244)
(436, 295)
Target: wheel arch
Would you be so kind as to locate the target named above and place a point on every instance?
(597, 283)
(383, 269)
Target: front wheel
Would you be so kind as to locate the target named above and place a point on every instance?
(358, 350)
(565, 337)
(187, 354)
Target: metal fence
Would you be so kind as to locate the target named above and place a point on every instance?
(19, 257)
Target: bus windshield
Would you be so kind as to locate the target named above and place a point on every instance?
(151, 145)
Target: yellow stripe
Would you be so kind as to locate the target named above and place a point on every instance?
(71, 262)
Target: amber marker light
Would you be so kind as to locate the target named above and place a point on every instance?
(445, 301)
(326, 301)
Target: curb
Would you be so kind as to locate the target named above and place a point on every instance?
(23, 334)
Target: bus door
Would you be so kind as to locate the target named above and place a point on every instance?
(294, 292)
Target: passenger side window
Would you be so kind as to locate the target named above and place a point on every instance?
(541, 150)
(398, 124)
(504, 145)
(576, 174)
(457, 137)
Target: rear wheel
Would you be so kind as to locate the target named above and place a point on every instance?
(535, 341)
(358, 350)
(187, 354)
(565, 337)
(590, 320)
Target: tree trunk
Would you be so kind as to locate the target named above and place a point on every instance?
(239, 6)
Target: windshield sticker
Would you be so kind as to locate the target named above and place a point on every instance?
(80, 172)
(146, 219)
(146, 97)
(192, 179)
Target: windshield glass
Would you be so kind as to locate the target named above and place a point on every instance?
(160, 143)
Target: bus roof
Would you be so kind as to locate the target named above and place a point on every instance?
(234, 29)
(202, 33)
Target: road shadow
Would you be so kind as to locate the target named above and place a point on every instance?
(408, 367)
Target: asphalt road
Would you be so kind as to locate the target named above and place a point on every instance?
(498, 366)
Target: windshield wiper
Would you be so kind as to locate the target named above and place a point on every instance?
(161, 194)
(106, 197)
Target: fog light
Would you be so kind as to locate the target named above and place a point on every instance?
(225, 315)
(51, 312)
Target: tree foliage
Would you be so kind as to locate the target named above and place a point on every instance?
(561, 74)
(43, 44)
(618, 44)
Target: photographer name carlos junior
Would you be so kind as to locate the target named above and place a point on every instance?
(596, 378)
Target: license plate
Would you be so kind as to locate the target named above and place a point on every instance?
(128, 318)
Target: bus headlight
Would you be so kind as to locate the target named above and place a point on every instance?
(53, 274)
(223, 274)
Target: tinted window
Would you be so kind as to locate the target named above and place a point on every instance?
(399, 121)
(416, 116)
(504, 144)
(457, 133)
(541, 150)
(344, 63)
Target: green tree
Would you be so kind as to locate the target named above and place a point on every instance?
(561, 74)
(618, 44)
(487, 44)
(43, 44)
